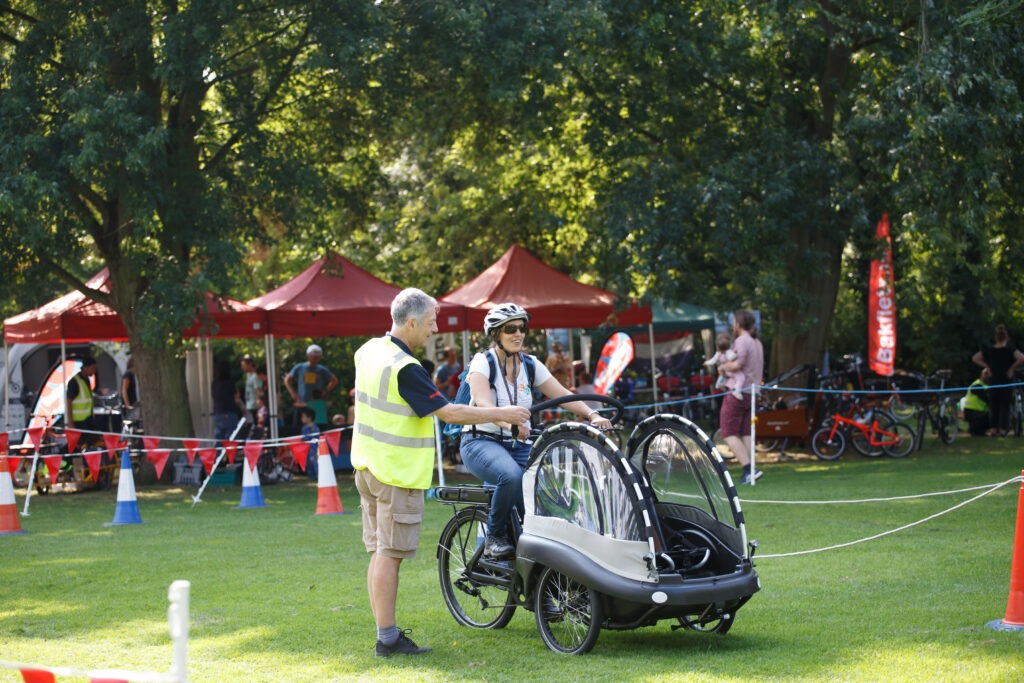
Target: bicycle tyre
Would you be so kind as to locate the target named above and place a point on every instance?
(569, 614)
(948, 425)
(905, 441)
(861, 442)
(828, 446)
(1017, 413)
(471, 602)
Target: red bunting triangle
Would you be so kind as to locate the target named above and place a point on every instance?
(208, 456)
(299, 449)
(12, 462)
(53, 465)
(113, 443)
(333, 440)
(151, 443)
(72, 435)
(92, 459)
(36, 435)
(252, 452)
(190, 449)
(3, 442)
(37, 676)
(230, 448)
(158, 456)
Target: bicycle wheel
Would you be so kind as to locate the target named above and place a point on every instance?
(826, 445)
(904, 441)
(471, 601)
(948, 425)
(569, 614)
(860, 439)
(1017, 413)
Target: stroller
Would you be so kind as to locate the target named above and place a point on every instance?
(609, 540)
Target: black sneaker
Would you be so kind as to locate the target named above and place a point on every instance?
(402, 646)
(499, 548)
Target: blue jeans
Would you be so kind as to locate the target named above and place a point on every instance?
(502, 465)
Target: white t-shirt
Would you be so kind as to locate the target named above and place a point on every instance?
(504, 391)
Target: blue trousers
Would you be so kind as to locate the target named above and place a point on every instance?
(500, 464)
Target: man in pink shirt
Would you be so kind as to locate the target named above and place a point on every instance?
(735, 415)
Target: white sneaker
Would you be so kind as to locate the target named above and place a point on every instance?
(747, 479)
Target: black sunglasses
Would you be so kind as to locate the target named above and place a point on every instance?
(512, 329)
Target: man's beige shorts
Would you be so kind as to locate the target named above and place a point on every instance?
(391, 516)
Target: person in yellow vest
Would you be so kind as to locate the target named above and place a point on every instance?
(79, 397)
(976, 407)
(393, 452)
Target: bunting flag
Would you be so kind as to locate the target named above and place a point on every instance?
(882, 304)
(35, 434)
(92, 459)
(159, 456)
(333, 440)
(113, 443)
(252, 453)
(53, 466)
(151, 443)
(72, 435)
(13, 461)
(299, 449)
(190, 449)
(230, 448)
(3, 442)
(37, 676)
(208, 456)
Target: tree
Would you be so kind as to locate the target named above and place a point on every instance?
(162, 137)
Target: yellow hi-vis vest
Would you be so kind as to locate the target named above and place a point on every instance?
(389, 439)
(81, 407)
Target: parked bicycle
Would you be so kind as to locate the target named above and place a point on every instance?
(874, 433)
(940, 411)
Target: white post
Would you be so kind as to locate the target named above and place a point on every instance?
(178, 620)
(271, 388)
(654, 366)
(64, 379)
(31, 482)
(6, 392)
(753, 432)
(437, 448)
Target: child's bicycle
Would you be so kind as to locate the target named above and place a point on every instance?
(609, 540)
(874, 433)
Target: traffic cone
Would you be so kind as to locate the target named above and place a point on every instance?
(8, 507)
(328, 502)
(127, 509)
(252, 494)
(1014, 619)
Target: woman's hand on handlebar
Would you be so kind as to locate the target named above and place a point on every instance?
(601, 422)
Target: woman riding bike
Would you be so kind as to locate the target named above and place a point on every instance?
(492, 451)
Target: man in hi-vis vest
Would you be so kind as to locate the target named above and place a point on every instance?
(393, 451)
(79, 397)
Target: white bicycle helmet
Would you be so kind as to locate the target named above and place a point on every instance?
(501, 314)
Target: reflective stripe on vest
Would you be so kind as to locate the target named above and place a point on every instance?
(81, 407)
(389, 438)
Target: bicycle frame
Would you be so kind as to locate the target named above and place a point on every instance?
(889, 438)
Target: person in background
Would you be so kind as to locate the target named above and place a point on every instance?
(559, 365)
(586, 386)
(393, 452)
(999, 362)
(130, 392)
(254, 387)
(306, 377)
(447, 376)
(311, 433)
(976, 407)
(735, 413)
(79, 397)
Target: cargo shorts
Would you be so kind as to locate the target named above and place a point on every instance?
(391, 516)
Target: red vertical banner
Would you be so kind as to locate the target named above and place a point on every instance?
(882, 304)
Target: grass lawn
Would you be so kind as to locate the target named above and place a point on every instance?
(278, 593)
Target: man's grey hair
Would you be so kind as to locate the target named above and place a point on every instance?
(411, 303)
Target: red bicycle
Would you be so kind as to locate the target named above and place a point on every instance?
(875, 434)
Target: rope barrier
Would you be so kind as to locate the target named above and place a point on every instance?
(988, 489)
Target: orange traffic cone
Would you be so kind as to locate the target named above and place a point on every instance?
(1014, 619)
(8, 507)
(328, 502)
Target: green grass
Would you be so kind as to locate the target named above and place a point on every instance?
(278, 593)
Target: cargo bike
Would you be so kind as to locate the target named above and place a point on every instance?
(609, 539)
